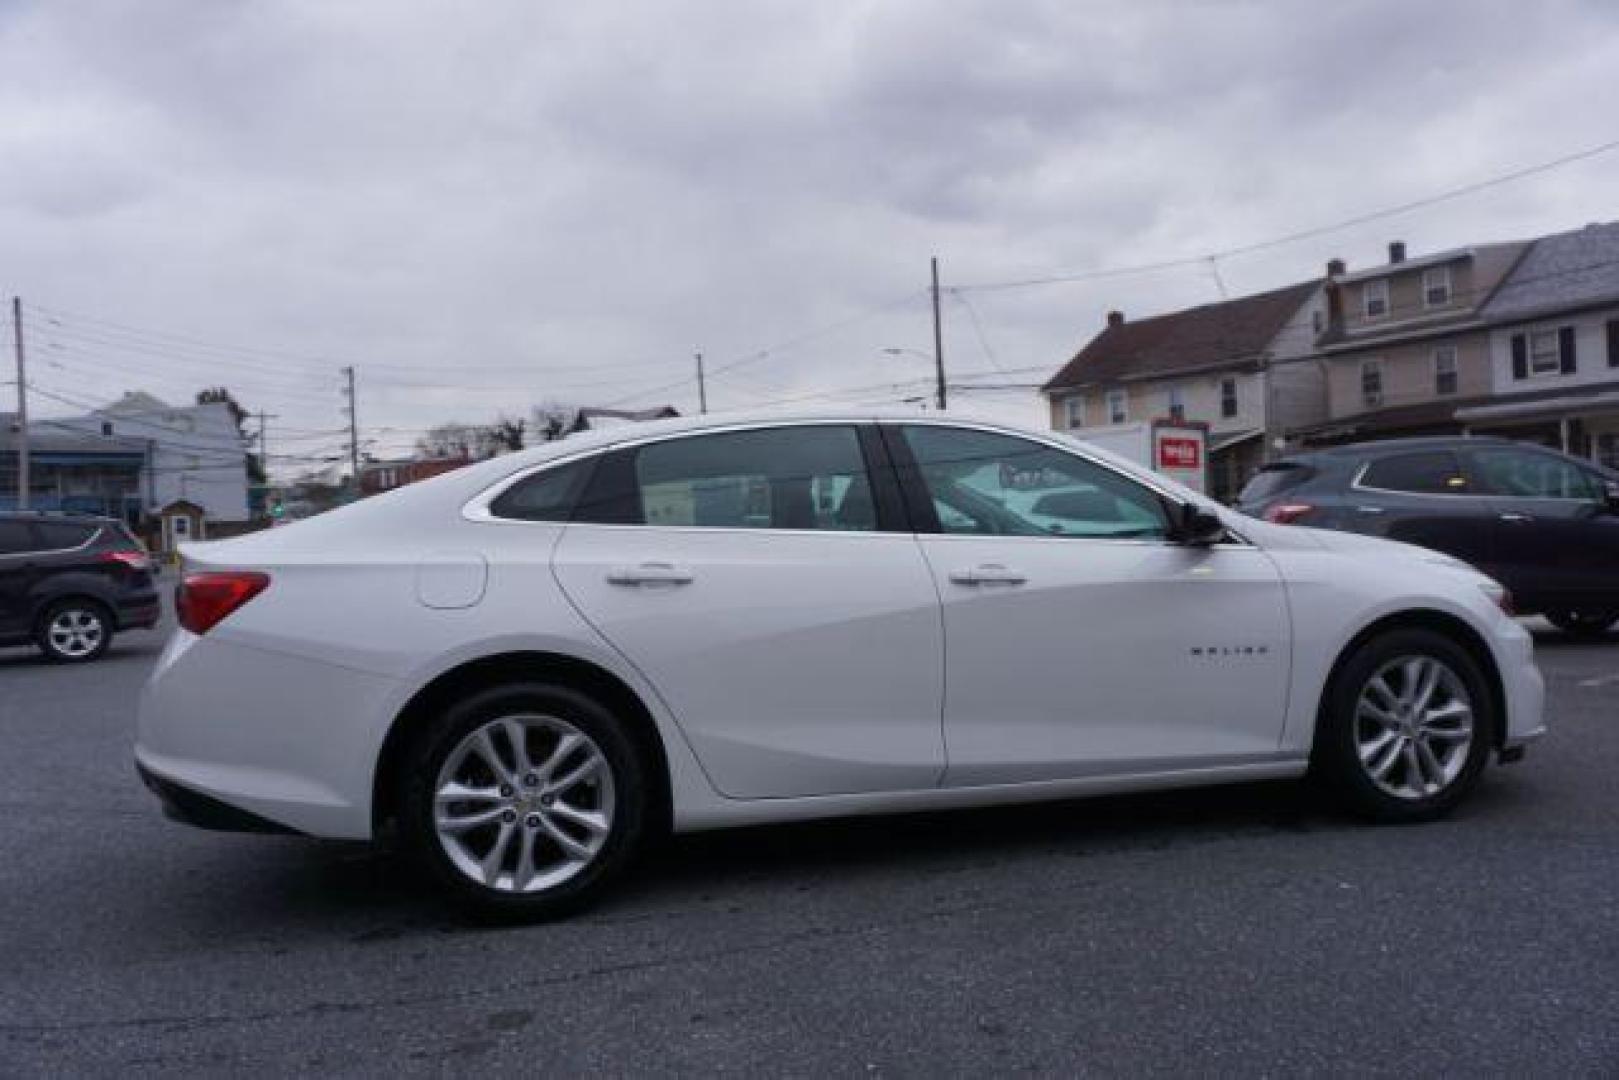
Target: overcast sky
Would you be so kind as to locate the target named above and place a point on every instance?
(482, 206)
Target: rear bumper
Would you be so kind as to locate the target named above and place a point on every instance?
(191, 807)
(139, 612)
(282, 738)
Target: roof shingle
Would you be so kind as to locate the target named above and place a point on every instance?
(1233, 330)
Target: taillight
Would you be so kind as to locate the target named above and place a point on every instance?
(1287, 513)
(203, 599)
(135, 560)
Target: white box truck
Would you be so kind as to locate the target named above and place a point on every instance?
(1179, 449)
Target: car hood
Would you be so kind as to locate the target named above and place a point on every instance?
(1297, 537)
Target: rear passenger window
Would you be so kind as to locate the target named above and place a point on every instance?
(806, 477)
(546, 496)
(56, 536)
(1431, 472)
(15, 538)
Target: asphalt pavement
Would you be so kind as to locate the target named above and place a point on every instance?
(1239, 930)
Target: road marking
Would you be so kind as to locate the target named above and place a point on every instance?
(1600, 680)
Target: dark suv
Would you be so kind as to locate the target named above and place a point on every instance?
(68, 583)
(1544, 524)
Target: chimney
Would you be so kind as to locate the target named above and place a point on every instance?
(1397, 251)
(1115, 318)
(1335, 268)
(1335, 303)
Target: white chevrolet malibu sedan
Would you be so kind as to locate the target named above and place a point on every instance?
(528, 668)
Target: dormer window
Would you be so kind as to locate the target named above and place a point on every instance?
(1375, 299)
(1436, 287)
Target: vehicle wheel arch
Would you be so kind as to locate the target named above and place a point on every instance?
(495, 669)
(1443, 622)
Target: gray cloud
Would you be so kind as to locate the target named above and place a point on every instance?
(518, 202)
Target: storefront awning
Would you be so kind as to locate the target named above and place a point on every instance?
(1218, 443)
(1566, 405)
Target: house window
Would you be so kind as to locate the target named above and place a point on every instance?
(1375, 299)
(1613, 342)
(1543, 352)
(1176, 403)
(1371, 383)
(1436, 286)
(1228, 398)
(1074, 411)
(1117, 410)
(1444, 369)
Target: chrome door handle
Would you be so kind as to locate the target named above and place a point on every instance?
(1515, 518)
(1370, 509)
(650, 573)
(988, 574)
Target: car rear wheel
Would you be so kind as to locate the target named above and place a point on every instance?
(525, 800)
(74, 631)
(1406, 728)
(1585, 623)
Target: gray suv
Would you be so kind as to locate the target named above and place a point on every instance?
(69, 583)
(1542, 523)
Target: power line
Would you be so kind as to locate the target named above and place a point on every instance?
(1301, 234)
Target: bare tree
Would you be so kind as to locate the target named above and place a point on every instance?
(449, 440)
(552, 420)
(506, 434)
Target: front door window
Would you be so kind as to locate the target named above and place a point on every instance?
(989, 484)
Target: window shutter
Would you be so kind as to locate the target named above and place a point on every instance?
(1613, 342)
(1520, 356)
(1565, 350)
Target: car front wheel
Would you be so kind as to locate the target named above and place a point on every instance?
(74, 631)
(1405, 732)
(1583, 623)
(525, 800)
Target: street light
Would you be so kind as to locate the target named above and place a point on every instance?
(920, 402)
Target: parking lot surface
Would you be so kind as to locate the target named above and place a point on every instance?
(1222, 931)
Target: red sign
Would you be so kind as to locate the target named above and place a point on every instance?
(1179, 453)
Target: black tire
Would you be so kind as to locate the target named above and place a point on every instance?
(1335, 759)
(91, 617)
(629, 783)
(1583, 623)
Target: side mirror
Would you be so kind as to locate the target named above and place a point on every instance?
(1195, 526)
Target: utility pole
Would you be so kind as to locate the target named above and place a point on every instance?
(938, 335)
(264, 451)
(354, 429)
(22, 405)
(702, 387)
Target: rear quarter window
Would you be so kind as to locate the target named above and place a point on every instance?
(551, 495)
(1275, 479)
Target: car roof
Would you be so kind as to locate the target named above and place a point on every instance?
(1327, 454)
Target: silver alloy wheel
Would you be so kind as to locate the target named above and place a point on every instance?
(76, 632)
(1414, 726)
(524, 803)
